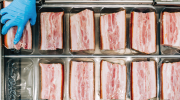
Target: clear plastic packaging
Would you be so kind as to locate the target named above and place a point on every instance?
(107, 11)
(53, 10)
(143, 10)
(165, 48)
(50, 61)
(161, 62)
(31, 70)
(91, 69)
(73, 12)
(19, 79)
(156, 60)
(119, 61)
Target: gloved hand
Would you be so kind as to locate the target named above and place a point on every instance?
(17, 14)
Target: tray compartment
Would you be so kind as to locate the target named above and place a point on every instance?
(143, 10)
(55, 10)
(19, 79)
(73, 12)
(15, 51)
(168, 49)
(50, 61)
(119, 61)
(164, 60)
(106, 12)
(21, 51)
(86, 76)
(156, 73)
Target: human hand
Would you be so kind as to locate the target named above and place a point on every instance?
(17, 14)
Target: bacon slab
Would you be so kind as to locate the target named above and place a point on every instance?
(170, 81)
(82, 80)
(52, 79)
(170, 29)
(113, 81)
(143, 32)
(113, 31)
(51, 30)
(82, 33)
(143, 80)
(26, 39)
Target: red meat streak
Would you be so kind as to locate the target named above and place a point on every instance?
(51, 30)
(113, 81)
(113, 31)
(82, 81)
(82, 30)
(170, 80)
(144, 80)
(51, 81)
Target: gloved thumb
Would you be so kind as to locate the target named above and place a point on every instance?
(7, 26)
(18, 34)
(33, 19)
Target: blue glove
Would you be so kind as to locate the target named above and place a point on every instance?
(17, 14)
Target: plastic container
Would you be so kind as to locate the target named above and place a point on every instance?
(119, 61)
(156, 73)
(162, 61)
(50, 9)
(106, 11)
(19, 79)
(70, 72)
(168, 49)
(14, 51)
(144, 10)
(50, 61)
(73, 12)
(21, 51)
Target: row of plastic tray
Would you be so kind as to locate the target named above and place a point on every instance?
(23, 75)
(98, 11)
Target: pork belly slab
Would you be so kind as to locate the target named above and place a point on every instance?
(82, 32)
(143, 32)
(26, 39)
(113, 81)
(170, 81)
(113, 31)
(52, 79)
(82, 81)
(51, 30)
(143, 80)
(170, 29)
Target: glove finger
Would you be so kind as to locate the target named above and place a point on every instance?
(7, 26)
(33, 19)
(4, 11)
(5, 18)
(18, 34)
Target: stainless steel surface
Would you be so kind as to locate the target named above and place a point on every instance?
(1, 66)
(167, 2)
(90, 56)
(99, 2)
(1, 70)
